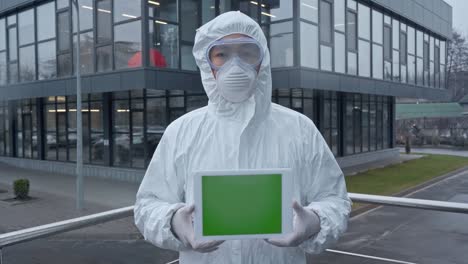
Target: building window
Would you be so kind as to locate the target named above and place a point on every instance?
(46, 21)
(396, 50)
(26, 27)
(403, 54)
(3, 46)
(26, 129)
(387, 51)
(309, 45)
(351, 40)
(281, 44)
(309, 10)
(329, 122)
(340, 53)
(164, 34)
(325, 22)
(426, 60)
(126, 10)
(27, 63)
(104, 21)
(46, 60)
(411, 55)
(12, 50)
(377, 49)
(127, 45)
(364, 58)
(4, 128)
(189, 22)
(364, 22)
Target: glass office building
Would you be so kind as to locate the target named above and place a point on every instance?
(339, 62)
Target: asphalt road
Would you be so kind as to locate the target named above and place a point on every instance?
(407, 235)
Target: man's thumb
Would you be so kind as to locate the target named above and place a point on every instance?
(298, 208)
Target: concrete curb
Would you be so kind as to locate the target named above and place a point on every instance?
(410, 190)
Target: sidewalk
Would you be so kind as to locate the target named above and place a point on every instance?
(55, 201)
(442, 151)
(349, 171)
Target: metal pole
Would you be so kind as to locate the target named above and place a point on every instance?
(79, 125)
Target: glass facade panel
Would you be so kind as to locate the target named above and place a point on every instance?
(352, 63)
(63, 27)
(325, 22)
(339, 15)
(377, 61)
(12, 44)
(13, 72)
(340, 53)
(411, 40)
(309, 10)
(351, 31)
(281, 44)
(411, 69)
(309, 45)
(86, 15)
(3, 68)
(46, 60)
(86, 52)
(364, 22)
(46, 21)
(396, 66)
(27, 63)
(26, 27)
(189, 21)
(2, 35)
(208, 10)
(364, 59)
(127, 45)
(166, 10)
(62, 4)
(104, 21)
(125, 10)
(377, 27)
(164, 40)
(396, 34)
(326, 56)
(104, 59)
(64, 65)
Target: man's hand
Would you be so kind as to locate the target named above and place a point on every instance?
(182, 227)
(306, 224)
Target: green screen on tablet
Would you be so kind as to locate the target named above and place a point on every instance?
(241, 205)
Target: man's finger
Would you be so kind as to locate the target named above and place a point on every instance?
(199, 246)
(298, 208)
(284, 242)
(190, 209)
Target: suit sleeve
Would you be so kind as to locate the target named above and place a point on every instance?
(160, 194)
(325, 193)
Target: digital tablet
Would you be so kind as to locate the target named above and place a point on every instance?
(242, 204)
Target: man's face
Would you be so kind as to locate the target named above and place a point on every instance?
(218, 54)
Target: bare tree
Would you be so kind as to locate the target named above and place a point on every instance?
(457, 66)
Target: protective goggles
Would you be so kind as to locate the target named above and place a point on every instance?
(247, 50)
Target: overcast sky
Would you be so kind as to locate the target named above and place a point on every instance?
(460, 12)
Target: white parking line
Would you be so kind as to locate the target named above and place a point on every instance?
(369, 257)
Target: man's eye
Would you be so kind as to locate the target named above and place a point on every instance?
(220, 55)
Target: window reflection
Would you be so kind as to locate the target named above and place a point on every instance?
(309, 10)
(164, 44)
(281, 44)
(27, 63)
(127, 45)
(340, 53)
(309, 45)
(26, 27)
(163, 9)
(364, 58)
(125, 10)
(46, 60)
(46, 21)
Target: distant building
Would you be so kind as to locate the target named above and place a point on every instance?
(342, 63)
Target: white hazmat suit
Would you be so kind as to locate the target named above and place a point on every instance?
(253, 134)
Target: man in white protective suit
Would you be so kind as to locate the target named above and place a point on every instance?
(241, 129)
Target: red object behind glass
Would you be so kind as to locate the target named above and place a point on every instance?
(156, 59)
